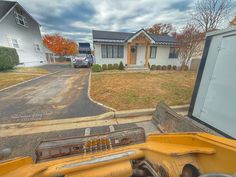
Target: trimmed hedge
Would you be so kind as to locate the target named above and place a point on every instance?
(163, 67)
(104, 67)
(116, 66)
(121, 66)
(153, 67)
(96, 68)
(174, 67)
(158, 67)
(169, 67)
(110, 67)
(8, 58)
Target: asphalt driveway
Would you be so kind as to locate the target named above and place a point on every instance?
(57, 96)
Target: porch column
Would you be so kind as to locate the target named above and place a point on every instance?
(147, 54)
(128, 53)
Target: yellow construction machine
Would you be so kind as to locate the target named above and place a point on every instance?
(123, 154)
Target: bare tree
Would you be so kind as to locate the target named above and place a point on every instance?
(209, 13)
(233, 22)
(189, 42)
(160, 29)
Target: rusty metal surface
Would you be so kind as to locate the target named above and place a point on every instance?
(168, 121)
(88, 144)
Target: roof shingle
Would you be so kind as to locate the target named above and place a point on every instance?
(123, 36)
(5, 6)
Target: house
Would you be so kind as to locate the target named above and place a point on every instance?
(22, 32)
(134, 49)
(84, 48)
(50, 55)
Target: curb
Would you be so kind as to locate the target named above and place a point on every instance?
(28, 81)
(105, 116)
(134, 113)
(39, 123)
(96, 102)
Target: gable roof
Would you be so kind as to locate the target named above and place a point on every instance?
(122, 37)
(134, 35)
(7, 6)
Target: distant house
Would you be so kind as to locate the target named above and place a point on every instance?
(84, 48)
(50, 55)
(18, 29)
(134, 49)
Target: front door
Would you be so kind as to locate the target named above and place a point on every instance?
(133, 55)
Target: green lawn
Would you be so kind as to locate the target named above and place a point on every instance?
(124, 91)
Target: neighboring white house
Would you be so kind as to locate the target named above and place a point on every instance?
(50, 55)
(134, 49)
(18, 29)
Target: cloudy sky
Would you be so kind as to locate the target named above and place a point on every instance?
(76, 18)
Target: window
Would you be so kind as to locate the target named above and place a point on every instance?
(153, 52)
(20, 19)
(15, 44)
(37, 47)
(104, 51)
(120, 51)
(112, 51)
(109, 51)
(174, 52)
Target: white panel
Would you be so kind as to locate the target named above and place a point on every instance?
(219, 109)
(207, 74)
(141, 55)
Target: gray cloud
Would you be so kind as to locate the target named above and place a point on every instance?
(76, 18)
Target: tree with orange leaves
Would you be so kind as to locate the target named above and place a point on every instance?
(60, 45)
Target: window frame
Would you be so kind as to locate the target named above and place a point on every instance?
(105, 54)
(15, 43)
(20, 19)
(150, 55)
(174, 54)
(37, 47)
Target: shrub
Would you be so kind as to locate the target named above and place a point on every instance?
(116, 66)
(8, 58)
(184, 67)
(158, 67)
(104, 67)
(169, 67)
(110, 67)
(153, 67)
(96, 68)
(163, 67)
(174, 67)
(121, 66)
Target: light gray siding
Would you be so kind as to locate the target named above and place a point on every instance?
(162, 56)
(27, 38)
